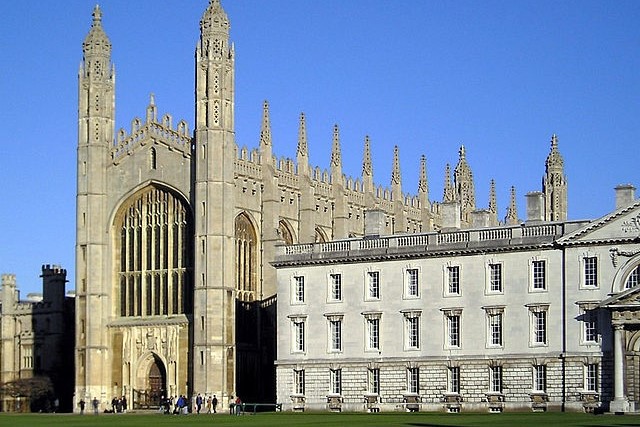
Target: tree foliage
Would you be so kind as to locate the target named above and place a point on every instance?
(34, 387)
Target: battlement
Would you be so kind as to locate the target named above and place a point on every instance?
(9, 280)
(53, 270)
(162, 131)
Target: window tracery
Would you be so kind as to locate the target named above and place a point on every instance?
(154, 255)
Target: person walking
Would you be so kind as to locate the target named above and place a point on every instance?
(214, 402)
(198, 403)
(95, 404)
(81, 405)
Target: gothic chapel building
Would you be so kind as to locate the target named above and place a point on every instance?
(176, 231)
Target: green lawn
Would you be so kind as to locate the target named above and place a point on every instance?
(324, 419)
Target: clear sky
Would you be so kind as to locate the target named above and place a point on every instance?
(498, 76)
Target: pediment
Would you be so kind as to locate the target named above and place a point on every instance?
(627, 299)
(622, 225)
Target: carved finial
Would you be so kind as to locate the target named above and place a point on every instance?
(462, 152)
(152, 99)
(265, 131)
(396, 178)
(336, 156)
(97, 15)
(423, 185)
(512, 210)
(303, 149)
(367, 164)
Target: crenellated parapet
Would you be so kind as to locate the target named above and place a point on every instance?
(155, 131)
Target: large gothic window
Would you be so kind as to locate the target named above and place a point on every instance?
(154, 247)
(246, 259)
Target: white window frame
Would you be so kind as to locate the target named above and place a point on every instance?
(591, 377)
(633, 279)
(536, 278)
(495, 329)
(412, 282)
(413, 380)
(298, 334)
(373, 381)
(299, 381)
(495, 379)
(335, 381)
(373, 285)
(373, 333)
(495, 278)
(453, 380)
(590, 272)
(298, 289)
(453, 331)
(452, 280)
(539, 378)
(335, 287)
(539, 325)
(335, 335)
(412, 330)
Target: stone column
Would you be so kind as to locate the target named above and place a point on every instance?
(620, 403)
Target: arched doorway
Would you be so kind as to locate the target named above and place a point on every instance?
(152, 383)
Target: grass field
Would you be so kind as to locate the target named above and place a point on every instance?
(324, 419)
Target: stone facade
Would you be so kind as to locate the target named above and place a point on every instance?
(36, 341)
(176, 230)
(538, 316)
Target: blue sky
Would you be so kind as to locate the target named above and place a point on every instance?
(499, 77)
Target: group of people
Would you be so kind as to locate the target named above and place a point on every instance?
(118, 405)
(180, 404)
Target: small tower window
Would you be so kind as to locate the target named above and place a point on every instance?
(153, 159)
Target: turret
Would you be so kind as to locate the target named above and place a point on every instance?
(464, 187)
(396, 177)
(96, 126)
(554, 185)
(302, 153)
(512, 211)
(54, 279)
(213, 352)
(10, 295)
(367, 167)
(266, 150)
(336, 158)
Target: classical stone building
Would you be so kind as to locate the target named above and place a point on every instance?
(36, 338)
(176, 230)
(543, 315)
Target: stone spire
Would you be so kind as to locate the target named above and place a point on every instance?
(265, 134)
(336, 157)
(96, 50)
(215, 21)
(367, 166)
(554, 185)
(448, 188)
(493, 204)
(302, 154)
(512, 210)
(396, 178)
(464, 187)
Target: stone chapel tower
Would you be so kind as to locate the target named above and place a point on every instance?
(96, 103)
(214, 203)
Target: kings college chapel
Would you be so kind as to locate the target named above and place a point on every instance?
(181, 282)
(176, 230)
